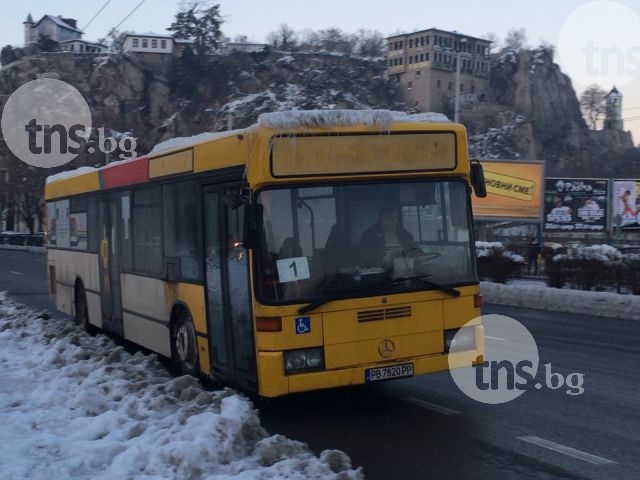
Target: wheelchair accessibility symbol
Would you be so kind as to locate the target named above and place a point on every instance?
(303, 325)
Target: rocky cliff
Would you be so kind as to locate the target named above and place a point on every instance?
(532, 111)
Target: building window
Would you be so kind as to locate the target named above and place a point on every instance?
(135, 42)
(418, 73)
(461, 87)
(410, 59)
(426, 57)
(428, 37)
(81, 47)
(473, 89)
(163, 43)
(422, 57)
(411, 43)
(145, 43)
(438, 84)
(422, 41)
(154, 43)
(450, 85)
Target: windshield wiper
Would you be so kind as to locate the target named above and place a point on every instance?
(393, 283)
(341, 294)
(423, 278)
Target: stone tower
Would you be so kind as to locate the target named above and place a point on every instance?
(29, 30)
(613, 116)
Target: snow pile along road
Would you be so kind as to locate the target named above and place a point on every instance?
(603, 304)
(76, 406)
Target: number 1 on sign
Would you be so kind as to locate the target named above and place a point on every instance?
(293, 269)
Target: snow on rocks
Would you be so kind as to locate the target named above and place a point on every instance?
(75, 406)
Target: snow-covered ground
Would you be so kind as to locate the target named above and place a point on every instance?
(73, 406)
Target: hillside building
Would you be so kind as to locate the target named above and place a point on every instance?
(82, 46)
(425, 63)
(56, 28)
(155, 43)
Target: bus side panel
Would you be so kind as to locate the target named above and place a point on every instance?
(147, 303)
(68, 267)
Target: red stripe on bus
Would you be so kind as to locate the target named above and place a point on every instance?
(126, 173)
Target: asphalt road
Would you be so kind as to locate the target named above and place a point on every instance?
(23, 275)
(426, 428)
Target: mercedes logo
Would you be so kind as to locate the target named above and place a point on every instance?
(386, 348)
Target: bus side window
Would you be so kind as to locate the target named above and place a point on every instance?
(182, 229)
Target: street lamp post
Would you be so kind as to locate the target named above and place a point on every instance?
(456, 116)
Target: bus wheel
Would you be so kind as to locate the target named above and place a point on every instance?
(184, 346)
(82, 310)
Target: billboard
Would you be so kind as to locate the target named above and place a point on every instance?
(626, 203)
(576, 205)
(514, 191)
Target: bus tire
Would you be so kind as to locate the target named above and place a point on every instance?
(184, 344)
(82, 309)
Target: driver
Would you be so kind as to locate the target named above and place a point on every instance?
(387, 240)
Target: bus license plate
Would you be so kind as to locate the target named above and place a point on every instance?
(385, 373)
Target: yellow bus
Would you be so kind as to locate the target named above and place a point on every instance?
(315, 249)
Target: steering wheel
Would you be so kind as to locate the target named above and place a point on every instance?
(422, 255)
(426, 256)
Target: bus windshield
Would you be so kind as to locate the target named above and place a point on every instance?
(355, 240)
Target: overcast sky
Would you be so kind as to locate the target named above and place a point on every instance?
(557, 22)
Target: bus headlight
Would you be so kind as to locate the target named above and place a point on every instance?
(302, 360)
(459, 339)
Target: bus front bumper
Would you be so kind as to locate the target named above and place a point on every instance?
(274, 382)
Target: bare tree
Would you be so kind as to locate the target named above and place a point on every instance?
(284, 38)
(593, 103)
(115, 40)
(493, 38)
(370, 43)
(516, 38)
(25, 190)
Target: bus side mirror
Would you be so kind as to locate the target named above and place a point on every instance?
(477, 179)
(253, 221)
(233, 200)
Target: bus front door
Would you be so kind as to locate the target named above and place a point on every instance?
(229, 319)
(111, 301)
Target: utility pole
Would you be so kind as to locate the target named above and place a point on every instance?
(462, 43)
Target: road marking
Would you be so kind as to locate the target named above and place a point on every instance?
(572, 452)
(495, 338)
(431, 406)
(16, 273)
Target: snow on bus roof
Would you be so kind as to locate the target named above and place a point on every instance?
(178, 142)
(69, 173)
(326, 118)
